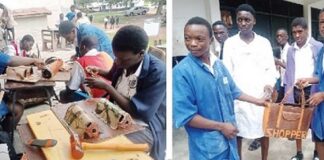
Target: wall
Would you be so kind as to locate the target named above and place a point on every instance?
(183, 10)
(55, 6)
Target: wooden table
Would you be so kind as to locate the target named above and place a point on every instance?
(39, 127)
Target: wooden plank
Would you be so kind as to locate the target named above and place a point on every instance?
(46, 125)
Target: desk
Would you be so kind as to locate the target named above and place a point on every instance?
(14, 88)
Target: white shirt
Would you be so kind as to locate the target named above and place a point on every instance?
(252, 67)
(212, 59)
(82, 20)
(283, 58)
(78, 74)
(304, 62)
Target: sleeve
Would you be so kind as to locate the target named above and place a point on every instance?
(148, 99)
(271, 73)
(227, 56)
(184, 107)
(319, 64)
(77, 77)
(4, 61)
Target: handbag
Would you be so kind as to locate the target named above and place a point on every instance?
(282, 120)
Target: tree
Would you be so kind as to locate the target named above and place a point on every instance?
(160, 4)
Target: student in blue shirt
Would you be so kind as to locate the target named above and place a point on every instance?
(138, 87)
(317, 99)
(72, 33)
(71, 15)
(12, 61)
(203, 97)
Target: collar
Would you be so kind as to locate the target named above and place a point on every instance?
(139, 68)
(201, 63)
(92, 52)
(305, 45)
(144, 66)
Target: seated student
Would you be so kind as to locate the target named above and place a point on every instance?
(13, 61)
(22, 48)
(72, 34)
(138, 86)
(89, 57)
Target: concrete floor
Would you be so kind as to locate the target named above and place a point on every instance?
(279, 149)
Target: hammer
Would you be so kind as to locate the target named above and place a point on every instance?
(77, 147)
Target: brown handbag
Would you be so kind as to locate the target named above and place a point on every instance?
(287, 120)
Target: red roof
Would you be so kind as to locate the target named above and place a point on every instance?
(31, 12)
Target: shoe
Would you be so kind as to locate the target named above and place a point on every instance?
(255, 145)
(316, 157)
(298, 156)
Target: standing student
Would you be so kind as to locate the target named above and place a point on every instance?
(203, 97)
(249, 58)
(220, 34)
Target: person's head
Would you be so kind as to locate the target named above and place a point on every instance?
(245, 18)
(129, 45)
(2, 6)
(79, 15)
(67, 30)
(61, 16)
(198, 36)
(282, 36)
(88, 43)
(27, 42)
(72, 8)
(220, 31)
(321, 22)
(299, 31)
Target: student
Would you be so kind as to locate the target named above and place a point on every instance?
(301, 59)
(22, 48)
(89, 57)
(81, 19)
(138, 86)
(249, 58)
(220, 34)
(203, 97)
(13, 61)
(75, 34)
(71, 16)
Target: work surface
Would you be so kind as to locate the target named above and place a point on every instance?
(45, 125)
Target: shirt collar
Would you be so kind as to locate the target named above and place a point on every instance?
(139, 68)
(304, 46)
(92, 52)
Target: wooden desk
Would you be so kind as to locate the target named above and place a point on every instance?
(46, 125)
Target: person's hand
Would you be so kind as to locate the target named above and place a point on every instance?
(73, 58)
(92, 70)
(229, 130)
(262, 102)
(302, 83)
(267, 92)
(316, 99)
(96, 83)
(39, 63)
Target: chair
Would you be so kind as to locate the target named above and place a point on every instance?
(159, 53)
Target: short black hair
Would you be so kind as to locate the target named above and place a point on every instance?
(282, 29)
(299, 21)
(200, 21)
(130, 38)
(247, 8)
(89, 42)
(66, 27)
(219, 23)
(28, 38)
(79, 14)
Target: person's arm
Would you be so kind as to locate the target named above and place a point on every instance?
(247, 98)
(228, 129)
(280, 63)
(17, 61)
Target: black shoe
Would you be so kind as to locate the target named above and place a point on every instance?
(298, 156)
(255, 145)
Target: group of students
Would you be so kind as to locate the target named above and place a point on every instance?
(127, 75)
(112, 20)
(219, 101)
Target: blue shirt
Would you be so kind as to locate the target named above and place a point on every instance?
(149, 101)
(4, 60)
(317, 123)
(103, 40)
(197, 91)
(70, 16)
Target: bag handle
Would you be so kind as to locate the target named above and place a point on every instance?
(281, 104)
